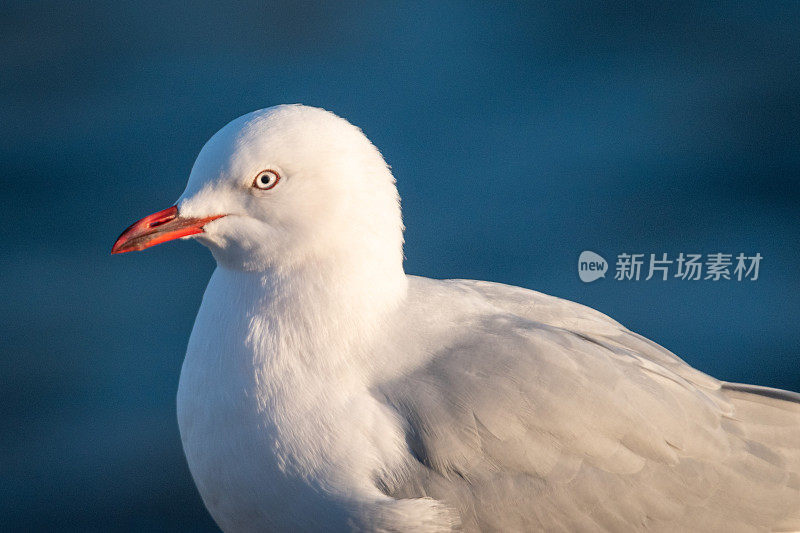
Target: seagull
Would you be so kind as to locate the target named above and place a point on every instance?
(323, 389)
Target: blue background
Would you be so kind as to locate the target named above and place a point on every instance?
(520, 135)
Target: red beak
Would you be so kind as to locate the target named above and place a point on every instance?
(159, 227)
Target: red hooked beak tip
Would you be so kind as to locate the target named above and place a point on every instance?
(159, 227)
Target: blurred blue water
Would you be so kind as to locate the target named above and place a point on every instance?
(520, 135)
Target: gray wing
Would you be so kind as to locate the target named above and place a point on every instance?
(543, 414)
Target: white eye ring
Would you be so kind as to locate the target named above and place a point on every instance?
(266, 180)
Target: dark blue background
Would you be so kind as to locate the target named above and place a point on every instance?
(520, 135)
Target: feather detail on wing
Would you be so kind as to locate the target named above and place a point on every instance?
(541, 413)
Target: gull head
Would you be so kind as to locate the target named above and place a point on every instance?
(283, 187)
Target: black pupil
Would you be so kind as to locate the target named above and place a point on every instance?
(265, 179)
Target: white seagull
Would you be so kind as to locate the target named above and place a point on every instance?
(325, 390)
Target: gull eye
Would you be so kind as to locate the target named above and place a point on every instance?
(266, 180)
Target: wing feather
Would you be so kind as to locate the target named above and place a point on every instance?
(540, 413)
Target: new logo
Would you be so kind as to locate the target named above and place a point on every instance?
(591, 266)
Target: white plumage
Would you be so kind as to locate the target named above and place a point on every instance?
(324, 390)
